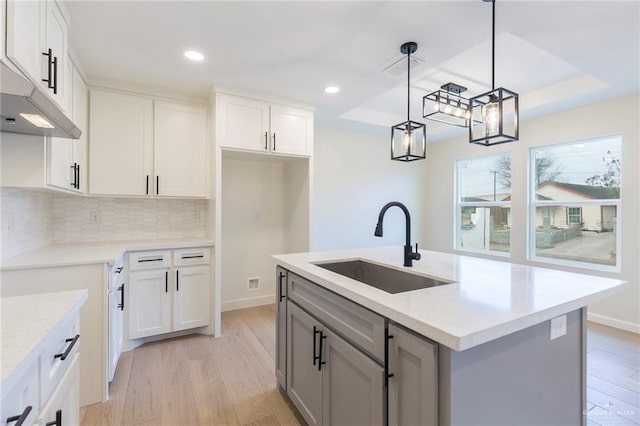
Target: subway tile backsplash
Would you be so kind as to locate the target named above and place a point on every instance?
(40, 218)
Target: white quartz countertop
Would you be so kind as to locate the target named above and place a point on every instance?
(25, 322)
(487, 299)
(79, 253)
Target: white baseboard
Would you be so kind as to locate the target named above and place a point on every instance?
(612, 322)
(249, 302)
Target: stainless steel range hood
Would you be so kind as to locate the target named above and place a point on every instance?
(21, 99)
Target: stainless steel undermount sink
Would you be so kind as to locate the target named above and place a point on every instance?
(380, 277)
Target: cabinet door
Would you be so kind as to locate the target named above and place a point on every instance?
(121, 144)
(291, 130)
(281, 328)
(352, 384)
(149, 303)
(304, 379)
(191, 300)
(63, 407)
(60, 171)
(180, 150)
(56, 40)
(115, 329)
(242, 123)
(413, 388)
(80, 114)
(24, 36)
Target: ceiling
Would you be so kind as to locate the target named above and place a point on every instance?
(556, 55)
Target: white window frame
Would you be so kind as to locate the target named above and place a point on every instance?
(533, 204)
(458, 205)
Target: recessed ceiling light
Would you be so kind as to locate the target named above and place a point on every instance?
(331, 89)
(193, 55)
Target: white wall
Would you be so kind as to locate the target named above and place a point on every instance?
(618, 116)
(26, 220)
(353, 178)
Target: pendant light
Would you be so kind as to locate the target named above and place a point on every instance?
(494, 114)
(447, 105)
(408, 139)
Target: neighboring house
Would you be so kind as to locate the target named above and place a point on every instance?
(589, 217)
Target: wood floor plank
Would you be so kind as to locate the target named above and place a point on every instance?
(213, 403)
(604, 417)
(613, 405)
(144, 392)
(178, 404)
(175, 361)
(605, 374)
(614, 391)
(628, 359)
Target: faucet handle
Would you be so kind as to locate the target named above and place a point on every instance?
(416, 255)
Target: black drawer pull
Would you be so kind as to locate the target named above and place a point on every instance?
(147, 184)
(177, 281)
(118, 270)
(157, 184)
(282, 295)
(65, 354)
(21, 418)
(320, 361)
(274, 141)
(315, 357)
(57, 421)
(195, 256)
(78, 178)
(166, 281)
(157, 259)
(55, 75)
(387, 375)
(49, 80)
(121, 290)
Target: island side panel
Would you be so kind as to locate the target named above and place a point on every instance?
(521, 378)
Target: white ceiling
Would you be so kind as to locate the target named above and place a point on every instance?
(556, 55)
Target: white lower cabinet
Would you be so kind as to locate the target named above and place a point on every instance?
(168, 291)
(64, 404)
(22, 401)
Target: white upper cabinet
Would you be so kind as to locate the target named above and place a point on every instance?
(180, 150)
(121, 144)
(36, 42)
(254, 125)
(139, 146)
(24, 36)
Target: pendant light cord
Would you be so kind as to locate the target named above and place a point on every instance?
(493, 46)
(408, 84)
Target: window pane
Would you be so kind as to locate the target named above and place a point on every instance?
(485, 178)
(592, 239)
(580, 171)
(485, 228)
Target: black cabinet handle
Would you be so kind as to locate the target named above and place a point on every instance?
(387, 375)
(147, 192)
(157, 184)
(119, 270)
(166, 281)
(49, 80)
(320, 361)
(121, 290)
(20, 418)
(274, 141)
(155, 259)
(55, 75)
(265, 140)
(195, 256)
(65, 354)
(78, 178)
(282, 295)
(57, 421)
(177, 281)
(315, 357)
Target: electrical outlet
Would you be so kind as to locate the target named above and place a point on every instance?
(558, 327)
(94, 216)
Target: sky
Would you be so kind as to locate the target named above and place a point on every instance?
(577, 162)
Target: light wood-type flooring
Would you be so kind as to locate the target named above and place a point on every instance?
(230, 380)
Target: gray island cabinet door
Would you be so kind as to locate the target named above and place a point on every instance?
(413, 388)
(304, 379)
(281, 327)
(352, 385)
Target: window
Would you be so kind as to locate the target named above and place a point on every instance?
(573, 215)
(575, 200)
(483, 209)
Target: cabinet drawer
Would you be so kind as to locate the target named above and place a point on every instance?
(64, 399)
(192, 256)
(25, 393)
(62, 344)
(149, 260)
(362, 327)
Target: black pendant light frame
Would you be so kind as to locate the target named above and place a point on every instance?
(410, 133)
(503, 100)
(435, 105)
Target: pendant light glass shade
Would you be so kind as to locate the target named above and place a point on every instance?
(409, 138)
(494, 114)
(447, 106)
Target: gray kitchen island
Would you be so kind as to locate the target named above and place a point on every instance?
(460, 341)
